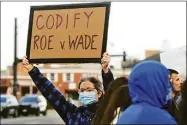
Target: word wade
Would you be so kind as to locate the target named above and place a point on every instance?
(83, 41)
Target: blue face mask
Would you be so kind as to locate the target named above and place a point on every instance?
(87, 97)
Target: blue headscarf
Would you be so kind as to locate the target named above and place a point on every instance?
(150, 90)
(149, 82)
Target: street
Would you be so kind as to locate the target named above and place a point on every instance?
(51, 118)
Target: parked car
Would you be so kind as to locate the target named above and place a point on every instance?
(33, 104)
(9, 106)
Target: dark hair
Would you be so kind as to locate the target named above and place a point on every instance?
(106, 110)
(96, 82)
(183, 105)
(172, 71)
(115, 102)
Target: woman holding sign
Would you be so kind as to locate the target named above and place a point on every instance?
(90, 92)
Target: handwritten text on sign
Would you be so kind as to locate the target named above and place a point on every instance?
(67, 33)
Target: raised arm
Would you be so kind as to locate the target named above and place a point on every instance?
(107, 75)
(48, 90)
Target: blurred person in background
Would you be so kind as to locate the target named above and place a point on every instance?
(150, 91)
(176, 83)
(91, 91)
(183, 105)
(112, 104)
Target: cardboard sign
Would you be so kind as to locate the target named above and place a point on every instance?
(75, 33)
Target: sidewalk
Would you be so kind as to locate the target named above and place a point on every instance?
(52, 112)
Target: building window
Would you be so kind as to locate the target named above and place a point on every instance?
(52, 75)
(68, 77)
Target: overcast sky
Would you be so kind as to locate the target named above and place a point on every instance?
(133, 26)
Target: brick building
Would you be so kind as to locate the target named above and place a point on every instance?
(64, 77)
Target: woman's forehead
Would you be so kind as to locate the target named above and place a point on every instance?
(86, 84)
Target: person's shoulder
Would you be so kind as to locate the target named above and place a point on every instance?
(163, 116)
(136, 114)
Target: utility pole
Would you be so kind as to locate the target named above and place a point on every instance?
(15, 60)
(124, 56)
